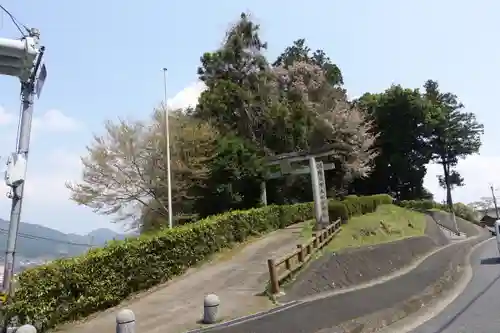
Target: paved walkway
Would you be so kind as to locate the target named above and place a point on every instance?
(177, 306)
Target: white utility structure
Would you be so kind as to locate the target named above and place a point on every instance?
(22, 59)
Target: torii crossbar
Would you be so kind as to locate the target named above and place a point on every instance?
(281, 165)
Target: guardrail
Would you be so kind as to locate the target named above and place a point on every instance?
(281, 269)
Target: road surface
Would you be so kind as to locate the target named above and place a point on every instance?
(477, 309)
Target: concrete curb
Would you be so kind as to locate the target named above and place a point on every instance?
(241, 320)
(455, 276)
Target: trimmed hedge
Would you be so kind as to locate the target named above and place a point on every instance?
(353, 205)
(461, 210)
(69, 289)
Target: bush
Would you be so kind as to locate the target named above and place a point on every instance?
(422, 204)
(69, 289)
(465, 212)
(363, 205)
(461, 210)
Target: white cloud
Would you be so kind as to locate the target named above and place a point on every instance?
(55, 121)
(188, 97)
(48, 169)
(479, 172)
(47, 200)
(47, 185)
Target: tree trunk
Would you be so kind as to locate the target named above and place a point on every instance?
(449, 201)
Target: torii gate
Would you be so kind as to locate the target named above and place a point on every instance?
(315, 168)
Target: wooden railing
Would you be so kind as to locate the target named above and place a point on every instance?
(281, 269)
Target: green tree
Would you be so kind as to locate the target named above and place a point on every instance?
(399, 116)
(295, 105)
(454, 180)
(236, 172)
(237, 95)
(454, 134)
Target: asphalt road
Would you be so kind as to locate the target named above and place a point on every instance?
(315, 316)
(477, 309)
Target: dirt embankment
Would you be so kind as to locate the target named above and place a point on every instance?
(334, 271)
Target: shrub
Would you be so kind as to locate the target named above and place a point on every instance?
(364, 205)
(69, 289)
(461, 210)
(338, 210)
(465, 212)
(421, 204)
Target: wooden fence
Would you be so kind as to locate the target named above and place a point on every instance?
(280, 269)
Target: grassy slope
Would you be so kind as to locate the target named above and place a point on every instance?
(388, 223)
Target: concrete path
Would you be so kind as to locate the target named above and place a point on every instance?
(237, 276)
(476, 309)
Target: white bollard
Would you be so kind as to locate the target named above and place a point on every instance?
(210, 308)
(125, 321)
(26, 329)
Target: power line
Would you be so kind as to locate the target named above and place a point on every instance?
(33, 237)
(16, 22)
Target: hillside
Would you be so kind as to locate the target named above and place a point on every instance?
(36, 241)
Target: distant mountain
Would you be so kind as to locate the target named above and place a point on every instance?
(102, 235)
(39, 242)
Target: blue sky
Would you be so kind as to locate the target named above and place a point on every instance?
(105, 58)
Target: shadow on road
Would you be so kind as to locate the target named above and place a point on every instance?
(491, 261)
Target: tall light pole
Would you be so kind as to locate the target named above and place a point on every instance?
(167, 134)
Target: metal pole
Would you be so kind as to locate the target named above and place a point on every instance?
(17, 198)
(23, 144)
(167, 134)
(494, 201)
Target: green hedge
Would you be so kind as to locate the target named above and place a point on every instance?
(353, 205)
(69, 289)
(461, 210)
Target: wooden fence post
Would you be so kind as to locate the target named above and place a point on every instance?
(301, 252)
(315, 240)
(273, 277)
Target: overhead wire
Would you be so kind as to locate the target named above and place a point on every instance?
(25, 33)
(16, 22)
(20, 26)
(34, 237)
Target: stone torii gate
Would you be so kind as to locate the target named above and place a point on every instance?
(281, 165)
